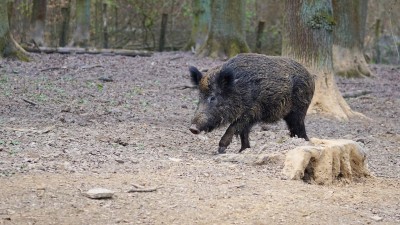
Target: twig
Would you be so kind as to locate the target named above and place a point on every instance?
(356, 94)
(106, 79)
(35, 44)
(30, 102)
(175, 58)
(53, 68)
(183, 87)
(90, 67)
(144, 189)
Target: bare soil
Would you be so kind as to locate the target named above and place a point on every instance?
(72, 123)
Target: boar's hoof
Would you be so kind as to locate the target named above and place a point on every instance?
(222, 150)
(194, 129)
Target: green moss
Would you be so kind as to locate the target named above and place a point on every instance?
(317, 14)
(322, 20)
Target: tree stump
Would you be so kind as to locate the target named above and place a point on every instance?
(327, 162)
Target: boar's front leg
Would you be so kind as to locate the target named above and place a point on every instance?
(235, 128)
(226, 138)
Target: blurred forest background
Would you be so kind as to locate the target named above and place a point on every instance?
(138, 25)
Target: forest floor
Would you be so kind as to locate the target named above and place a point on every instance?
(72, 123)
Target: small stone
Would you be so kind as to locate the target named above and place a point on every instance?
(175, 159)
(119, 161)
(99, 193)
(377, 218)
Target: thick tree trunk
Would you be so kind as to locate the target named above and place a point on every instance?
(226, 37)
(8, 46)
(200, 24)
(308, 38)
(38, 19)
(348, 38)
(81, 35)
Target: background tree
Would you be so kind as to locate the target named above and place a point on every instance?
(226, 36)
(38, 19)
(269, 12)
(308, 38)
(81, 36)
(200, 23)
(8, 46)
(348, 38)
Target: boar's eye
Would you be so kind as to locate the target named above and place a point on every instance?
(212, 99)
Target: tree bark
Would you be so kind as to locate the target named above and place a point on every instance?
(226, 36)
(200, 24)
(270, 11)
(348, 38)
(105, 26)
(65, 14)
(8, 46)
(38, 19)
(308, 38)
(81, 34)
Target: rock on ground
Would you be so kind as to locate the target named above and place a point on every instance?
(99, 193)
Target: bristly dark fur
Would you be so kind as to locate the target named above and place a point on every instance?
(252, 88)
(195, 75)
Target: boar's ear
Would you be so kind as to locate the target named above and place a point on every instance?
(225, 78)
(195, 75)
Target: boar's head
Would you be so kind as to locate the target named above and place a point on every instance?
(216, 105)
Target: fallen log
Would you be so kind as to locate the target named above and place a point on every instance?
(72, 50)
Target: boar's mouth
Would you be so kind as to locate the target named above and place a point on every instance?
(205, 123)
(195, 130)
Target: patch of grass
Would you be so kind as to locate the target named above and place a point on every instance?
(82, 101)
(41, 97)
(4, 79)
(136, 91)
(13, 142)
(100, 86)
(144, 103)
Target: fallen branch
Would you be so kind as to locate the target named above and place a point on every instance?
(71, 50)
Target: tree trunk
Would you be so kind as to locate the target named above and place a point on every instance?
(105, 26)
(8, 46)
(226, 37)
(38, 19)
(65, 14)
(308, 38)
(270, 11)
(200, 24)
(348, 38)
(81, 35)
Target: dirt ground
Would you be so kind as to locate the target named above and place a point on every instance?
(72, 123)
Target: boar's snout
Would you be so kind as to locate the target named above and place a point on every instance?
(193, 129)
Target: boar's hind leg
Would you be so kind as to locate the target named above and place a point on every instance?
(295, 123)
(244, 138)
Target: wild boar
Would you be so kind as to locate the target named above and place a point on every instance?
(248, 89)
